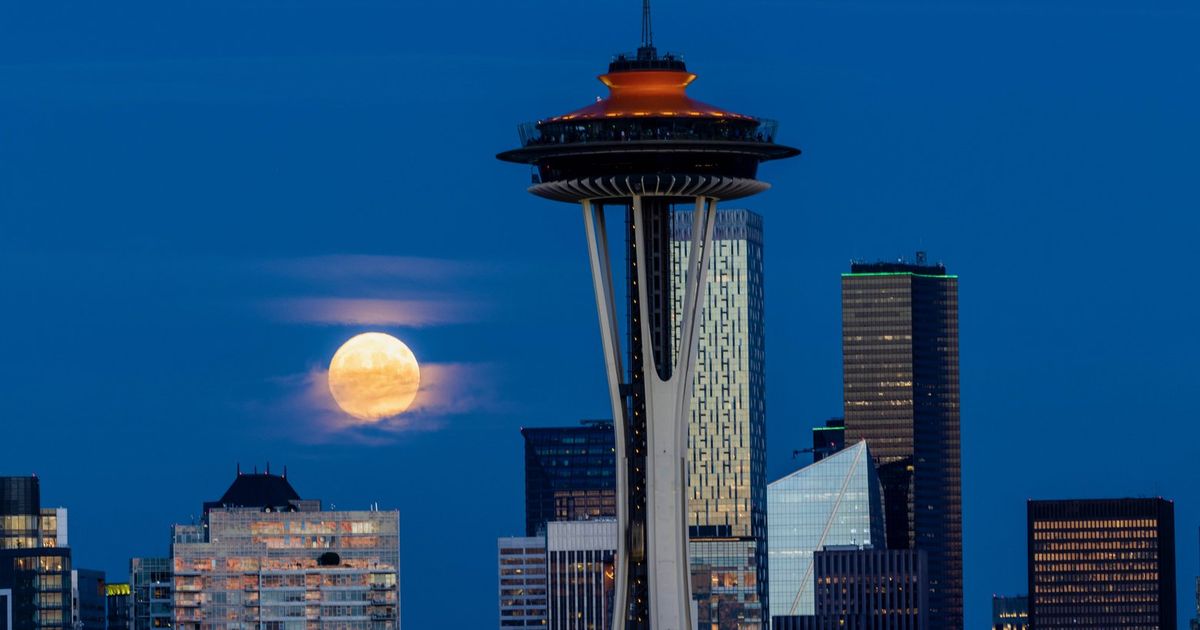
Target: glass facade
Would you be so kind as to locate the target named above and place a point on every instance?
(1106, 563)
(152, 589)
(287, 570)
(521, 571)
(1010, 613)
(727, 489)
(570, 474)
(901, 389)
(836, 501)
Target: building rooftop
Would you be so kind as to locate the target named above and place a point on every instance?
(258, 490)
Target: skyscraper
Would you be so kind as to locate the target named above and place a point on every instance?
(521, 581)
(1010, 613)
(579, 574)
(34, 570)
(643, 150)
(828, 439)
(264, 557)
(570, 474)
(1106, 563)
(726, 457)
(900, 373)
(834, 502)
(860, 588)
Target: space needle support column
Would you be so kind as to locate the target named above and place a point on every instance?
(668, 410)
(598, 254)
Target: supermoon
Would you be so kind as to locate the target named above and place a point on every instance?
(374, 376)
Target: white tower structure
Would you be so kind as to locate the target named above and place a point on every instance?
(644, 150)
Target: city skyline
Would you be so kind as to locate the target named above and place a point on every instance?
(176, 188)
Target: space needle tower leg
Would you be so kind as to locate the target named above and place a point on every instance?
(652, 572)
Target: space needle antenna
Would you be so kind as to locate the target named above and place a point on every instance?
(647, 31)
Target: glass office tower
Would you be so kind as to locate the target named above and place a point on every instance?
(570, 474)
(836, 501)
(1107, 563)
(265, 558)
(727, 487)
(901, 380)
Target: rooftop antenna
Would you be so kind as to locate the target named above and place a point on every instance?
(647, 49)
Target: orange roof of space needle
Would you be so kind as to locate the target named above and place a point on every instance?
(648, 93)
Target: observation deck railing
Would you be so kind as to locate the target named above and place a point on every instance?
(565, 132)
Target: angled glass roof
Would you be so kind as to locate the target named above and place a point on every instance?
(836, 501)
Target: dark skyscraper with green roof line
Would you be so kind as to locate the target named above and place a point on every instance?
(900, 374)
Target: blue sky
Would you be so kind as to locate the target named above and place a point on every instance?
(176, 179)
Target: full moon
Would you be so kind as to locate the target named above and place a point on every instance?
(374, 376)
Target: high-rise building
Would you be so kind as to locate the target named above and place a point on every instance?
(521, 578)
(262, 556)
(859, 588)
(120, 606)
(1010, 613)
(726, 456)
(834, 502)
(828, 439)
(579, 571)
(34, 570)
(643, 150)
(570, 474)
(89, 600)
(152, 587)
(561, 579)
(1106, 563)
(901, 379)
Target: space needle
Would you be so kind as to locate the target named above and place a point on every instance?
(643, 151)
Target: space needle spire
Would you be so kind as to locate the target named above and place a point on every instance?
(645, 152)
(647, 48)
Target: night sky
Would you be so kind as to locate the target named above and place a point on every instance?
(200, 201)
